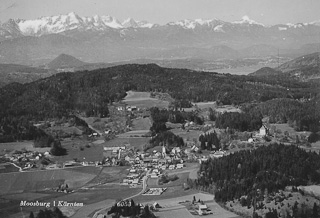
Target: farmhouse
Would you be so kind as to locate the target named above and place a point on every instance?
(264, 130)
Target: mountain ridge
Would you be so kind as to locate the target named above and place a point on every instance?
(70, 21)
(106, 39)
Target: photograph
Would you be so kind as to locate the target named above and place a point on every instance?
(159, 108)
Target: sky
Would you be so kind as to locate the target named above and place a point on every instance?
(268, 12)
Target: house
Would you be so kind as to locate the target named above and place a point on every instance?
(264, 130)
(179, 166)
(171, 167)
(202, 209)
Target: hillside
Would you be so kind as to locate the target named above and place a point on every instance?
(92, 90)
(304, 68)
(310, 60)
(254, 177)
(266, 72)
(22, 74)
(65, 61)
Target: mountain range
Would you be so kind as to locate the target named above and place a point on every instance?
(106, 39)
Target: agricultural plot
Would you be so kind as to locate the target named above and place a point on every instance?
(135, 134)
(172, 203)
(78, 149)
(11, 146)
(189, 137)
(26, 196)
(177, 213)
(39, 180)
(143, 100)
(137, 143)
(132, 96)
(110, 175)
(7, 168)
(141, 123)
(154, 191)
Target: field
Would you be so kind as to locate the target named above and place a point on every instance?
(11, 146)
(77, 149)
(110, 175)
(143, 100)
(187, 136)
(137, 143)
(38, 180)
(7, 168)
(92, 199)
(141, 124)
(171, 204)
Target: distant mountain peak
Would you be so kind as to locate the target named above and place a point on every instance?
(246, 20)
(130, 22)
(65, 61)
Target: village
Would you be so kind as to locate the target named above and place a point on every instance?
(117, 155)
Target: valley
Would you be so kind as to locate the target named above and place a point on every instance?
(102, 118)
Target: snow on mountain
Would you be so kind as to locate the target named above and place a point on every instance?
(316, 23)
(192, 24)
(297, 25)
(145, 24)
(129, 23)
(246, 20)
(136, 24)
(71, 21)
(61, 23)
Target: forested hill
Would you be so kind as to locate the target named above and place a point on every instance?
(89, 91)
(304, 68)
(268, 168)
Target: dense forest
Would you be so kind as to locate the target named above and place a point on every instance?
(268, 168)
(159, 130)
(209, 141)
(239, 121)
(90, 92)
(54, 213)
(301, 115)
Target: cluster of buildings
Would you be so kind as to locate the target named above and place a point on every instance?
(25, 159)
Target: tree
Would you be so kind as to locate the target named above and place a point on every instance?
(31, 215)
(57, 149)
(147, 213)
(315, 210)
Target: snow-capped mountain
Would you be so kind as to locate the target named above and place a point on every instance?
(61, 23)
(104, 38)
(247, 21)
(136, 24)
(71, 21)
(197, 23)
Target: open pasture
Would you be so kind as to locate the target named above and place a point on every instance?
(188, 136)
(110, 175)
(133, 96)
(39, 180)
(78, 149)
(137, 143)
(27, 145)
(143, 100)
(141, 124)
(8, 168)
